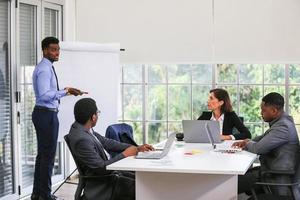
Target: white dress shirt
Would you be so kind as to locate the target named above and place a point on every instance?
(221, 121)
(107, 154)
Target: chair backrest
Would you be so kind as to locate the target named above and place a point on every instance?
(296, 178)
(234, 130)
(81, 183)
(112, 178)
(241, 118)
(66, 137)
(121, 132)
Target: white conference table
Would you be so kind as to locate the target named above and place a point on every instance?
(205, 174)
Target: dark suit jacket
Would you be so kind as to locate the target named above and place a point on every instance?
(92, 159)
(231, 120)
(278, 148)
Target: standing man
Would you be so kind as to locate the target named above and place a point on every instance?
(44, 117)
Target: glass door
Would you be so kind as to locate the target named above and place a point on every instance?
(7, 188)
(28, 12)
(52, 26)
(37, 20)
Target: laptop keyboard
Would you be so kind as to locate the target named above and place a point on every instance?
(228, 150)
(149, 154)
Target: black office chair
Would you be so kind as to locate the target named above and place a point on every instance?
(235, 131)
(112, 178)
(293, 186)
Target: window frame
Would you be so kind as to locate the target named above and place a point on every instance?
(145, 84)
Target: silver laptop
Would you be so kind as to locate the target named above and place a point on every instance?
(220, 148)
(195, 131)
(158, 154)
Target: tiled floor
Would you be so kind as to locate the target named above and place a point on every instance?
(67, 192)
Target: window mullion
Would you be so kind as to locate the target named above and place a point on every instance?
(144, 103)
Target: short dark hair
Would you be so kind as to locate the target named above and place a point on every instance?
(222, 95)
(49, 40)
(274, 99)
(84, 109)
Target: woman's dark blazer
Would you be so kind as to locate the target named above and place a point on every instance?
(231, 120)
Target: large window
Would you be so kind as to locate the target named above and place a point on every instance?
(156, 98)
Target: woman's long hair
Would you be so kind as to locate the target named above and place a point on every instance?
(222, 95)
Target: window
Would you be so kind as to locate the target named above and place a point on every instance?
(52, 27)
(24, 24)
(156, 98)
(50, 22)
(6, 164)
(28, 57)
(294, 93)
(30, 36)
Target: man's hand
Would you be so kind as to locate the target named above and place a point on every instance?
(130, 151)
(241, 144)
(74, 91)
(145, 147)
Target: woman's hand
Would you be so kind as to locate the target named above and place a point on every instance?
(226, 137)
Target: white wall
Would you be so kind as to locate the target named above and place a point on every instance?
(192, 31)
(69, 20)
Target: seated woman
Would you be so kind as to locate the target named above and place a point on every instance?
(221, 110)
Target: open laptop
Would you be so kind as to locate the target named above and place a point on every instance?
(158, 154)
(220, 148)
(195, 131)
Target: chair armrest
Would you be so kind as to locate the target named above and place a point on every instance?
(102, 177)
(282, 172)
(277, 184)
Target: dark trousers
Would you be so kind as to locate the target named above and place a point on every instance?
(126, 186)
(46, 126)
(247, 182)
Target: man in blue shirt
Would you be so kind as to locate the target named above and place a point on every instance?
(44, 117)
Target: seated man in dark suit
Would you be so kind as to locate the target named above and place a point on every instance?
(278, 146)
(90, 149)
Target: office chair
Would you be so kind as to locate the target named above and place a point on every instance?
(235, 131)
(120, 132)
(112, 178)
(294, 186)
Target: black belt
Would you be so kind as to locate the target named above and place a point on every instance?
(45, 108)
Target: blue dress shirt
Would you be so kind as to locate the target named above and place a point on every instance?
(45, 85)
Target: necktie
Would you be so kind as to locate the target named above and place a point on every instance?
(56, 82)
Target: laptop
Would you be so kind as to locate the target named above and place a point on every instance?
(195, 131)
(158, 154)
(220, 148)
